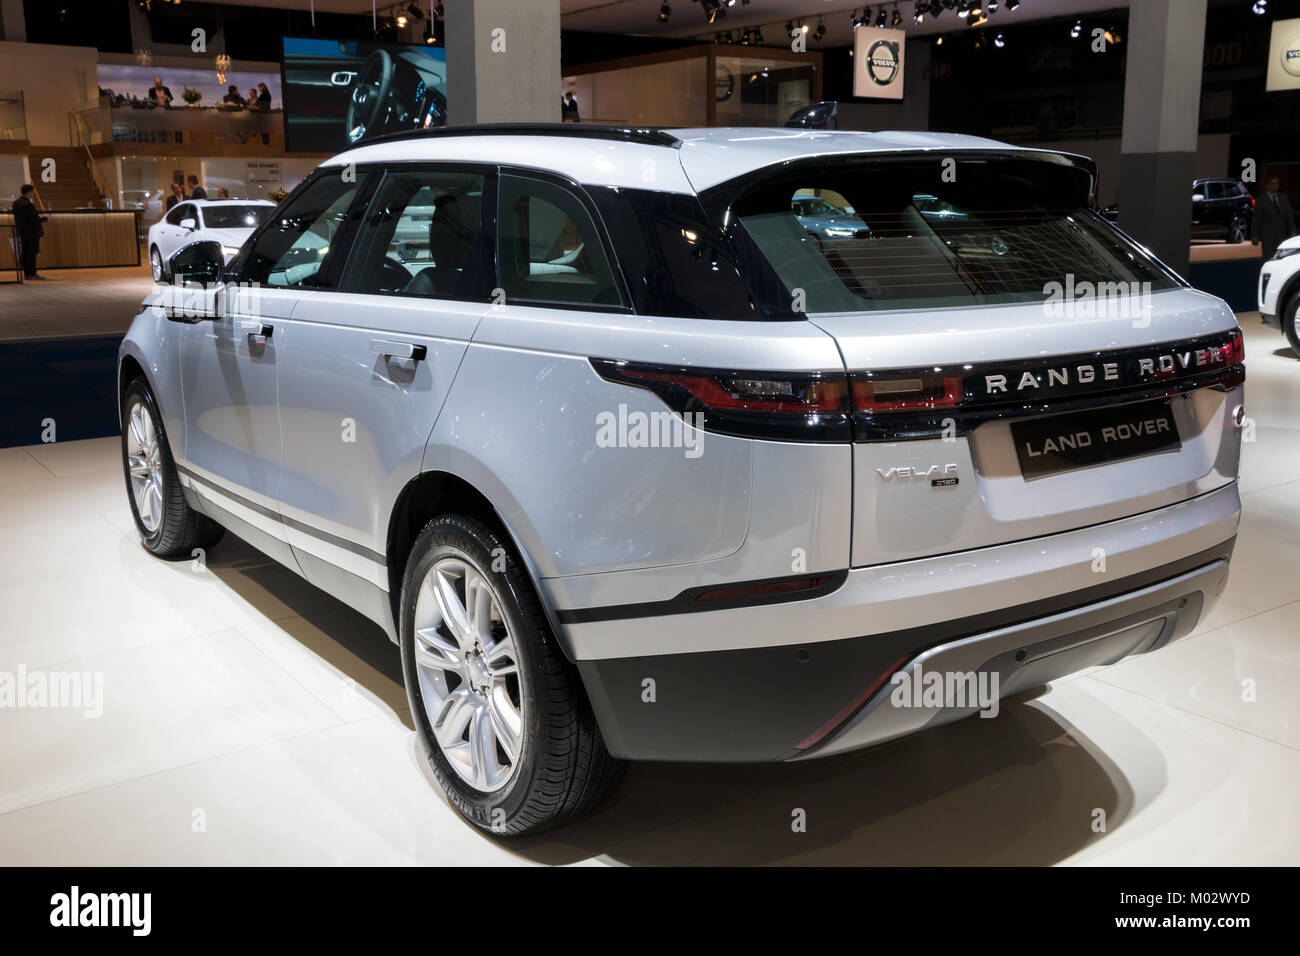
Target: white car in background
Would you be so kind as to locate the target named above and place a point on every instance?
(227, 221)
(1279, 291)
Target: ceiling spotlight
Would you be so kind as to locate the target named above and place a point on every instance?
(437, 9)
(665, 12)
(1112, 36)
(918, 16)
(821, 29)
(401, 21)
(429, 38)
(1260, 8)
(789, 27)
(414, 10)
(1076, 29)
(758, 36)
(744, 37)
(882, 17)
(963, 8)
(712, 10)
(1012, 5)
(979, 41)
(938, 41)
(895, 18)
(803, 27)
(991, 6)
(999, 41)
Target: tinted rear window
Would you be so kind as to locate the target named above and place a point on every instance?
(888, 235)
(236, 217)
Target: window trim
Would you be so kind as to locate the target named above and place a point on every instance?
(357, 218)
(577, 191)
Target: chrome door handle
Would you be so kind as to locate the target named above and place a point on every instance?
(405, 350)
(256, 327)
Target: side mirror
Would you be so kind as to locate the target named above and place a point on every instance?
(1198, 197)
(189, 224)
(201, 262)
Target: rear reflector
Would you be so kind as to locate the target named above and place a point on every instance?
(762, 590)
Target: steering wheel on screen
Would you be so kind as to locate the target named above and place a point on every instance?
(369, 94)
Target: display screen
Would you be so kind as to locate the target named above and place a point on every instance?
(338, 93)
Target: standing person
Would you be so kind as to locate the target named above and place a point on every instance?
(196, 191)
(232, 98)
(178, 195)
(28, 222)
(263, 97)
(159, 95)
(1274, 219)
(223, 193)
(252, 98)
(569, 108)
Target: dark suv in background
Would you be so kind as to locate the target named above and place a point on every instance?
(1221, 209)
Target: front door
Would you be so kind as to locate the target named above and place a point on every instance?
(234, 452)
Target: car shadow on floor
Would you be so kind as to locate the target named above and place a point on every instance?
(1025, 788)
(1021, 789)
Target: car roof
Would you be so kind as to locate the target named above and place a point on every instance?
(669, 160)
(229, 202)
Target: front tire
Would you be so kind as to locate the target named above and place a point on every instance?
(168, 526)
(1290, 317)
(1237, 230)
(499, 711)
(156, 268)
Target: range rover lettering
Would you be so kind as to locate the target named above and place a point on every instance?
(428, 384)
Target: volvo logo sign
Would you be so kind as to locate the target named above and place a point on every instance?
(1291, 54)
(878, 62)
(882, 62)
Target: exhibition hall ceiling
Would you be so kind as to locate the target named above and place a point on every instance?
(687, 18)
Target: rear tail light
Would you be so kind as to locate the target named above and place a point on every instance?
(875, 393)
(784, 406)
(922, 403)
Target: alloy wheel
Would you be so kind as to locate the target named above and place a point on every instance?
(143, 464)
(468, 672)
(155, 265)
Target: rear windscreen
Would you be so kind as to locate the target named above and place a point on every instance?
(864, 236)
(236, 217)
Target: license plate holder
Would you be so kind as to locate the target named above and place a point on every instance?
(1060, 443)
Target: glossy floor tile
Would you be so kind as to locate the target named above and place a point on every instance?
(243, 716)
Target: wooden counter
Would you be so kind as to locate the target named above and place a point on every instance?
(79, 238)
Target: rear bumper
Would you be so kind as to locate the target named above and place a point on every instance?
(807, 691)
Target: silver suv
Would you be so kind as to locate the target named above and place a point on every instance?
(634, 466)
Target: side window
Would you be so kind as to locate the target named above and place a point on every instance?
(293, 247)
(1215, 190)
(423, 235)
(549, 249)
(179, 212)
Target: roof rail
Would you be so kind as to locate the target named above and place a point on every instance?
(648, 135)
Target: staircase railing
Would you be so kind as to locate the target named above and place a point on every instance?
(81, 137)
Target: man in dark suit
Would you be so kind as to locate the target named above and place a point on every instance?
(196, 191)
(158, 94)
(1274, 219)
(28, 224)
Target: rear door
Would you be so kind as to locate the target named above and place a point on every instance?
(375, 349)
(1017, 367)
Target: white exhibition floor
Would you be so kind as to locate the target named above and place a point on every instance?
(250, 719)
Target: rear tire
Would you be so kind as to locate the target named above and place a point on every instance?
(1290, 318)
(168, 526)
(1237, 230)
(499, 711)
